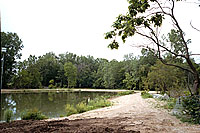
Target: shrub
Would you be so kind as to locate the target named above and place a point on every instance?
(81, 107)
(33, 115)
(145, 94)
(70, 109)
(8, 114)
(98, 103)
(191, 107)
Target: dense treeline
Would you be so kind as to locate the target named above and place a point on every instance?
(70, 70)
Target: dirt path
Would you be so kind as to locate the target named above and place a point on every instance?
(130, 113)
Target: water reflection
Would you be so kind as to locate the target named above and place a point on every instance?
(51, 104)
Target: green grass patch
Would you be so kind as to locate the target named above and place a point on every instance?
(145, 95)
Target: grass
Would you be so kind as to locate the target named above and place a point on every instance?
(146, 95)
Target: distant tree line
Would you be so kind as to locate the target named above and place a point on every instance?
(69, 70)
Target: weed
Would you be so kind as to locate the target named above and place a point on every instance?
(8, 114)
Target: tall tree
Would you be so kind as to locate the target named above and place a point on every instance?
(165, 78)
(148, 16)
(48, 67)
(71, 74)
(13, 45)
(28, 75)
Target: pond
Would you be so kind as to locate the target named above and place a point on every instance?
(51, 104)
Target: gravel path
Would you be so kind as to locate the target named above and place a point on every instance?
(140, 116)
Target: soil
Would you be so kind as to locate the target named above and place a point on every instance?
(129, 114)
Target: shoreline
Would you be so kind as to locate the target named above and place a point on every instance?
(59, 90)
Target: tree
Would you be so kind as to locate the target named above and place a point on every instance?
(13, 45)
(48, 67)
(28, 75)
(129, 81)
(144, 18)
(165, 78)
(71, 73)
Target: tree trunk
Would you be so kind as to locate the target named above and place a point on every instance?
(196, 77)
(196, 84)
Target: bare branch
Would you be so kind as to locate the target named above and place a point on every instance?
(174, 65)
(194, 54)
(194, 27)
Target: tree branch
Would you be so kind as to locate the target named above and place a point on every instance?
(194, 27)
(176, 66)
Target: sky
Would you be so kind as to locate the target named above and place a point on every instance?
(78, 26)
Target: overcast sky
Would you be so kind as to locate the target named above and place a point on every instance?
(78, 26)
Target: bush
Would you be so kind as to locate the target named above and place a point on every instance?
(8, 114)
(145, 94)
(33, 115)
(81, 107)
(191, 107)
(99, 103)
(70, 109)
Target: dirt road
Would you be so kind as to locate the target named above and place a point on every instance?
(130, 113)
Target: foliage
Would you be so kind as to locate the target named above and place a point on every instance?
(13, 45)
(28, 75)
(71, 74)
(83, 106)
(145, 94)
(171, 102)
(129, 81)
(8, 114)
(51, 84)
(70, 109)
(33, 115)
(165, 78)
(191, 107)
(48, 66)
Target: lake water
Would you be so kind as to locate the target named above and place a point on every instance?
(51, 104)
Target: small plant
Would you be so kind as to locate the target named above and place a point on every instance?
(33, 115)
(8, 114)
(145, 94)
(70, 110)
(81, 107)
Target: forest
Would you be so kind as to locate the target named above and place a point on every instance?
(68, 70)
